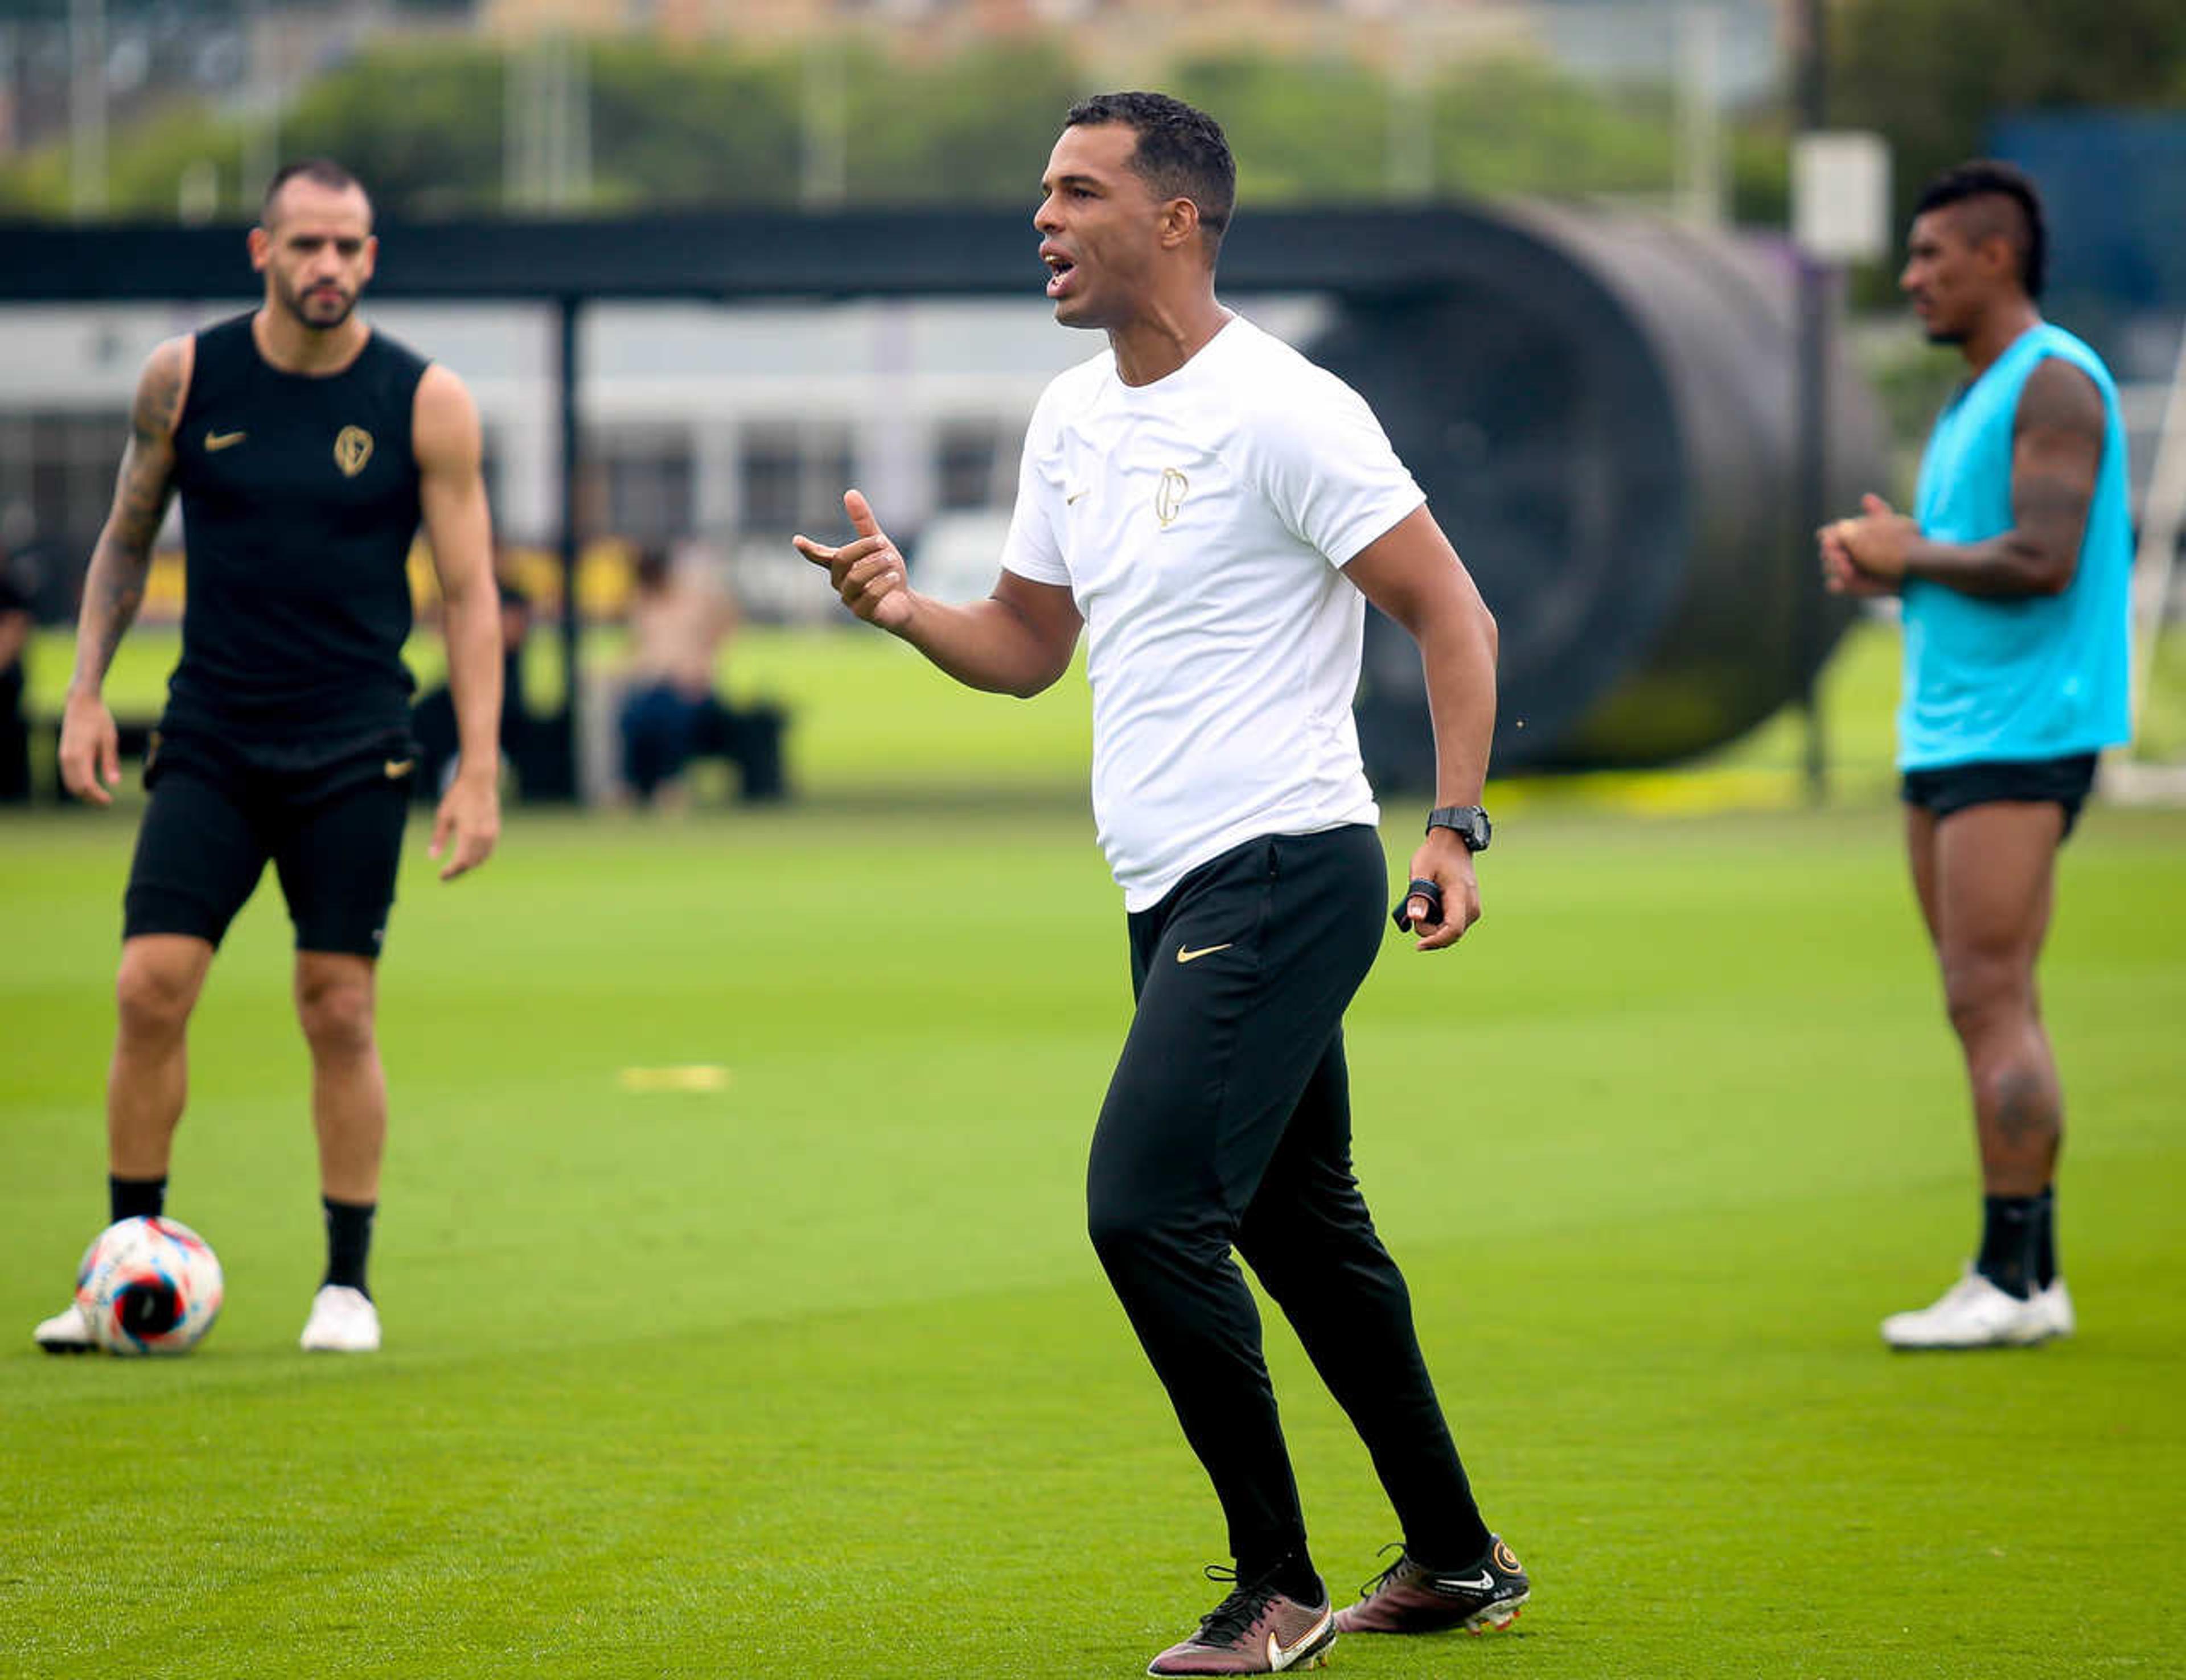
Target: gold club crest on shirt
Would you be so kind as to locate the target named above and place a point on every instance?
(1169, 496)
(352, 449)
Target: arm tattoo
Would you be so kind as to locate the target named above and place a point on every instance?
(2049, 509)
(114, 587)
(2057, 451)
(2059, 397)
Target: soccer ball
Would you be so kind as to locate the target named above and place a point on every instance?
(148, 1285)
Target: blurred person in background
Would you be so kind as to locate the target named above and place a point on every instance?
(1214, 512)
(17, 624)
(2014, 571)
(434, 720)
(307, 447)
(680, 618)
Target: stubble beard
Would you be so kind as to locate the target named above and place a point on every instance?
(300, 311)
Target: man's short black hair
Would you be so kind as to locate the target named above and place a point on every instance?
(2017, 212)
(320, 172)
(1180, 152)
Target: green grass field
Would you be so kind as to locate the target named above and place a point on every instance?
(814, 1374)
(867, 719)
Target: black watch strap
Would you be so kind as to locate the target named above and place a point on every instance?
(1468, 822)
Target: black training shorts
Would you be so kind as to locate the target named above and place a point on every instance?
(2055, 782)
(334, 834)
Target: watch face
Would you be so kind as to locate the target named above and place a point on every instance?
(1468, 822)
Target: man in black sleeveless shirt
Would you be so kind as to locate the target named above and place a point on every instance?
(307, 449)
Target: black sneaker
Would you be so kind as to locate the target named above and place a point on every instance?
(1406, 1599)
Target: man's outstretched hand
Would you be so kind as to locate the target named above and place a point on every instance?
(868, 571)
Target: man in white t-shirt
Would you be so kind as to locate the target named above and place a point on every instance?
(1215, 512)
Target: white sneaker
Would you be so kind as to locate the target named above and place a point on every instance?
(2056, 1304)
(343, 1320)
(1973, 1313)
(68, 1331)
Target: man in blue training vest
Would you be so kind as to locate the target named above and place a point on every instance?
(2013, 572)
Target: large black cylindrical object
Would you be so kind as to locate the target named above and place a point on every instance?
(1604, 417)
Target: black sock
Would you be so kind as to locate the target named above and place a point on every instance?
(2045, 1237)
(349, 1240)
(1451, 1560)
(1292, 1575)
(135, 1198)
(2007, 1250)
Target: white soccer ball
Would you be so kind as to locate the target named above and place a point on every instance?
(149, 1285)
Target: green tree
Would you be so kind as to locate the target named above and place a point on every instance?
(420, 122)
(1310, 131)
(146, 169)
(708, 128)
(975, 129)
(421, 119)
(1933, 75)
(1521, 126)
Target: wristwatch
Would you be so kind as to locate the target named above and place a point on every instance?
(1468, 822)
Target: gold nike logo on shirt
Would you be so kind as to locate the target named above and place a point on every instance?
(1186, 953)
(399, 768)
(216, 441)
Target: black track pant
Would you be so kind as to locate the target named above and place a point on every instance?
(1228, 1123)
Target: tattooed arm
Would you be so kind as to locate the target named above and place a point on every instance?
(114, 587)
(2057, 450)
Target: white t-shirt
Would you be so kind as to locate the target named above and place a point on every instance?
(1199, 521)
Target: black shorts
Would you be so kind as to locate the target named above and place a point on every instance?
(2053, 781)
(334, 834)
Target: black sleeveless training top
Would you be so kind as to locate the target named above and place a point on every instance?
(299, 504)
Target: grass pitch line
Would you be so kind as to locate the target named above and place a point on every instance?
(705, 1076)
